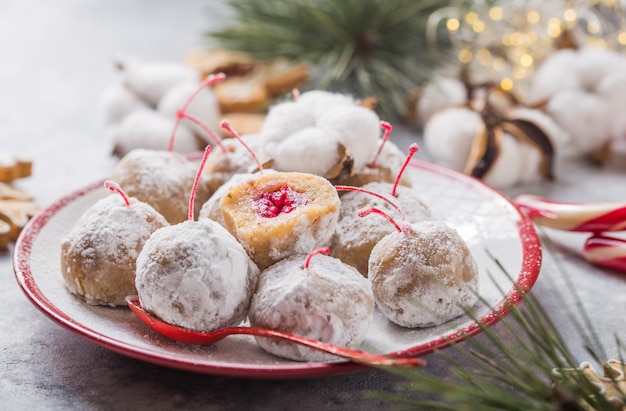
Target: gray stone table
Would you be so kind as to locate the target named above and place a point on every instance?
(55, 61)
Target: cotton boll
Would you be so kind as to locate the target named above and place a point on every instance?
(118, 101)
(441, 93)
(310, 150)
(151, 80)
(517, 163)
(317, 102)
(357, 128)
(204, 107)
(613, 89)
(449, 134)
(283, 120)
(148, 129)
(508, 168)
(558, 137)
(593, 64)
(586, 117)
(529, 172)
(553, 75)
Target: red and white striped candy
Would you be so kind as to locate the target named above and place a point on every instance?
(585, 217)
(608, 252)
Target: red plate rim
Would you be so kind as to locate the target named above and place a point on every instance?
(526, 278)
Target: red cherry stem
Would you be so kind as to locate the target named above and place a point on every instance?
(324, 251)
(214, 137)
(388, 127)
(182, 113)
(365, 211)
(113, 186)
(413, 148)
(225, 124)
(208, 81)
(372, 193)
(194, 189)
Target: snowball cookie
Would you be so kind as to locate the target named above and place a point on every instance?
(222, 165)
(98, 255)
(162, 179)
(423, 276)
(278, 215)
(355, 236)
(195, 275)
(329, 301)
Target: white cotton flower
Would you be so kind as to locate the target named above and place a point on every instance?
(151, 80)
(516, 163)
(357, 128)
(118, 101)
(558, 137)
(310, 150)
(593, 64)
(317, 102)
(449, 134)
(613, 89)
(337, 120)
(586, 117)
(553, 75)
(283, 120)
(150, 130)
(441, 93)
(583, 93)
(204, 107)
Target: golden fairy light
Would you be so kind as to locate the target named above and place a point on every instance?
(506, 40)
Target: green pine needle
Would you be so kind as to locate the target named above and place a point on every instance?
(501, 378)
(367, 48)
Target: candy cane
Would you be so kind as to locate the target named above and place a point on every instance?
(607, 252)
(586, 217)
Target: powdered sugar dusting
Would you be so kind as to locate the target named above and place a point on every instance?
(328, 301)
(99, 254)
(162, 179)
(196, 275)
(423, 277)
(355, 237)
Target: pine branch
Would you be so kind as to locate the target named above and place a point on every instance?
(513, 379)
(367, 48)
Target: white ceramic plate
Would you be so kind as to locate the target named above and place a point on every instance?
(487, 220)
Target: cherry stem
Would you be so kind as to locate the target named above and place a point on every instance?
(372, 193)
(194, 189)
(225, 124)
(182, 113)
(218, 141)
(324, 250)
(113, 186)
(413, 148)
(388, 127)
(365, 211)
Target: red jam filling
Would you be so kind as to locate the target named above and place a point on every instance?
(282, 201)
